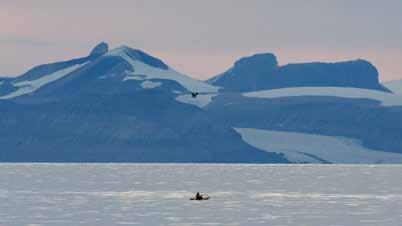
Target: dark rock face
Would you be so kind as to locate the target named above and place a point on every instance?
(267, 59)
(240, 77)
(261, 72)
(100, 49)
(358, 73)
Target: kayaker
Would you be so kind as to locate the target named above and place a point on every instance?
(198, 196)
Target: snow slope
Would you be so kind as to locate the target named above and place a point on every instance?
(201, 100)
(29, 86)
(301, 147)
(150, 84)
(394, 86)
(144, 71)
(386, 99)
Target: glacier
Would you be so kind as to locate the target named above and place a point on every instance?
(314, 148)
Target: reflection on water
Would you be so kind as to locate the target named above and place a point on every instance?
(140, 194)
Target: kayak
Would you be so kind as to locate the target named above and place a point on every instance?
(203, 198)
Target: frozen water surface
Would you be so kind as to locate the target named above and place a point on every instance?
(158, 194)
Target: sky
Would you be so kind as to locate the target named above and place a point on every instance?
(203, 38)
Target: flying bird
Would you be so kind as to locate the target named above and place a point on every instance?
(194, 95)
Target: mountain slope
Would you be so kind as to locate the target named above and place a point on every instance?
(146, 127)
(147, 68)
(394, 86)
(40, 76)
(262, 72)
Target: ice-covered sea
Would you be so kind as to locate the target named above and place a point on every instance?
(157, 194)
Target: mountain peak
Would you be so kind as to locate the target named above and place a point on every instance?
(262, 72)
(100, 49)
(261, 59)
(136, 54)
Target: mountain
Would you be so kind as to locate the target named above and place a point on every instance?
(120, 70)
(124, 105)
(113, 106)
(100, 49)
(262, 72)
(394, 86)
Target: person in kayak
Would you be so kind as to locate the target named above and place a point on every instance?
(198, 196)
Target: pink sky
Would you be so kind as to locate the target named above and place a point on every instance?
(203, 38)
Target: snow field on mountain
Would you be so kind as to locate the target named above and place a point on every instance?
(29, 86)
(302, 147)
(386, 99)
(149, 72)
(150, 84)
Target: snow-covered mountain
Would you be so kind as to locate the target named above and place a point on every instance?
(117, 71)
(146, 68)
(394, 86)
(124, 105)
(113, 106)
(262, 72)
